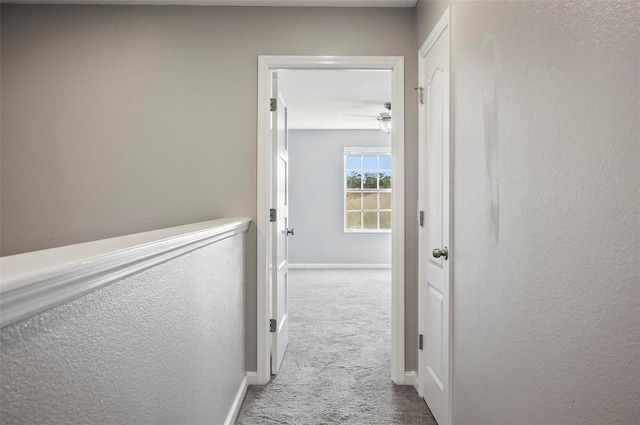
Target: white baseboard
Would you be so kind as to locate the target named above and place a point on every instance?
(237, 403)
(252, 378)
(411, 378)
(339, 266)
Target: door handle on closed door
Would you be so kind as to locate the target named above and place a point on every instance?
(444, 252)
(291, 232)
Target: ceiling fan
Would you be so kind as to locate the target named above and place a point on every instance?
(384, 119)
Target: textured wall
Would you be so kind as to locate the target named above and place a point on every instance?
(316, 199)
(547, 214)
(165, 346)
(121, 119)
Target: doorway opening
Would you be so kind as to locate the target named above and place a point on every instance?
(267, 175)
(340, 167)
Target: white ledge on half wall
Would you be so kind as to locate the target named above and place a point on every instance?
(37, 281)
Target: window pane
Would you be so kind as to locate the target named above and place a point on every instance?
(370, 220)
(385, 201)
(370, 201)
(385, 219)
(370, 180)
(354, 201)
(366, 207)
(354, 221)
(370, 162)
(354, 178)
(354, 162)
(385, 180)
(385, 162)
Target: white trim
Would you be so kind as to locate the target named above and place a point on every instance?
(365, 150)
(252, 378)
(338, 266)
(411, 378)
(263, 363)
(435, 34)
(37, 281)
(396, 65)
(448, 16)
(397, 236)
(381, 231)
(237, 403)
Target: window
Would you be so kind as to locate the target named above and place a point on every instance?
(367, 189)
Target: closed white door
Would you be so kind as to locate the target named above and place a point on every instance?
(280, 232)
(435, 245)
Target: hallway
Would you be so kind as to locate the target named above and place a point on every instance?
(337, 366)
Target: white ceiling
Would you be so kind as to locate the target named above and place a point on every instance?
(294, 3)
(334, 99)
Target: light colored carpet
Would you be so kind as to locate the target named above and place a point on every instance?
(337, 369)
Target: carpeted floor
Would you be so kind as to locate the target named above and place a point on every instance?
(337, 369)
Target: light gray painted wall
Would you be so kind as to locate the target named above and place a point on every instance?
(428, 12)
(122, 119)
(164, 346)
(316, 200)
(546, 284)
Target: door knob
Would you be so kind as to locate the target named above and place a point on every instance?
(444, 252)
(291, 232)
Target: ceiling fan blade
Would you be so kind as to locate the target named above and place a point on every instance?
(377, 102)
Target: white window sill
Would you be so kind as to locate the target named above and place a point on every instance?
(366, 231)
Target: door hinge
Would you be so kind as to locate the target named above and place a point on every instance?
(421, 219)
(273, 104)
(272, 325)
(419, 342)
(420, 97)
(273, 215)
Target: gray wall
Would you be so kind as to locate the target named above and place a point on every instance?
(546, 225)
(316, 200)
(122, 119)
(428, 12)
(164, 346)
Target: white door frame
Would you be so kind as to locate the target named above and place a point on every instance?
(266, 64)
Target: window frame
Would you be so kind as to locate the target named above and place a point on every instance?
(364, 151)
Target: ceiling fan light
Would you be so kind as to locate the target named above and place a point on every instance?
(385, 122)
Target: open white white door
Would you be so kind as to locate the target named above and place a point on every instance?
(279, 325)
(434, 365)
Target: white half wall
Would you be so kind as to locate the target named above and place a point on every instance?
(164, 345)
(316, 200)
